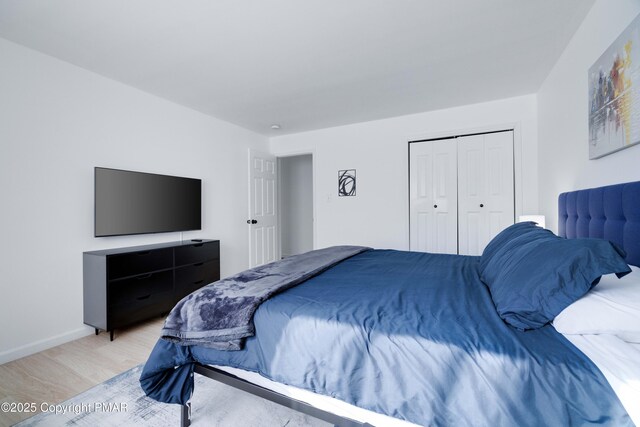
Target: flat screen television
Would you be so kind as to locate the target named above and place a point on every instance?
(128, 202)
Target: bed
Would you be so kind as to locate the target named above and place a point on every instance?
(388, 337)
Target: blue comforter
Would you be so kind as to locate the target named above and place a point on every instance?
(410, 335)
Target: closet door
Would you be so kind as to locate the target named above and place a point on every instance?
(433, 199)
(485, 189)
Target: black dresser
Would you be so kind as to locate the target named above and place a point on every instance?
(126, 285)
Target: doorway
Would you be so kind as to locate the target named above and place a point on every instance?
(295, 191)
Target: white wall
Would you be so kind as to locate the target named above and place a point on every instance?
(58, 122)
(378, 216)
(563, 107)
(296, 204)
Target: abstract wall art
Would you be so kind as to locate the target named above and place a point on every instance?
(614, 95)
(347, 182)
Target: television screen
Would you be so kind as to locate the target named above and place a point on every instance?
(128, 202)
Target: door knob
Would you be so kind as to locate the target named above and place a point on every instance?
(481, 205)
(435, 206)
(252, 221)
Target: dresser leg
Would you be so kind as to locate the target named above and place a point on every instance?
(111, 334)
(97, 331)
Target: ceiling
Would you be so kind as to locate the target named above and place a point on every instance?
(305, 64)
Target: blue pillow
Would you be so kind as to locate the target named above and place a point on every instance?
(534, 275)
(503, 238)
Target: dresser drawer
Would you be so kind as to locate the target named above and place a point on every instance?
(197, 252)
(140, 288)
(133, 263)
(134, 311)
(193, 277)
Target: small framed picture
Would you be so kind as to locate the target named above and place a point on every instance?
(347, 182)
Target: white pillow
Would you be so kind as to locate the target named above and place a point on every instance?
(611, 307)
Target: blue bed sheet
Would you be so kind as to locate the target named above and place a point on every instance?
(410, 335)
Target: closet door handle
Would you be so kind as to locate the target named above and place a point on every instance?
(435, 206)
(481, 205)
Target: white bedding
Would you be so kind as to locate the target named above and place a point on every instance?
(605, 326)
(612, 307)
(619, 362)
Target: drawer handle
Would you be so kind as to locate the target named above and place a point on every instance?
(197, 245)
(198, 282)
(144, 276)
(143, 297)
(144, 253)
(198, 264)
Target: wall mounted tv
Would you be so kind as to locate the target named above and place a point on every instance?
(128, 202)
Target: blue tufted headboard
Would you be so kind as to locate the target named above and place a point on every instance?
(611, 212)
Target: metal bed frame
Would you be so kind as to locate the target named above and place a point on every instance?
(265, 393)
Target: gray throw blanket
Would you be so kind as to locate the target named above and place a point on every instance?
(220, 315)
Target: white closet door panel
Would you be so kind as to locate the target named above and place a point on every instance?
(470, 228)
(446, 239)
(421, 227)
(499, 201)
(485, 189)
(433, 200)
(423, 165)
(471, 190)
(421, 196)
(444, 236)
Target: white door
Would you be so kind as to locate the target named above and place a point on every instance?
(263, 220)
(433, 201)
(485, 189)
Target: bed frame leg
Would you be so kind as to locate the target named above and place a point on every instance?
(185, 415)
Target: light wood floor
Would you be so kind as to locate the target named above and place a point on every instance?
(62, 372)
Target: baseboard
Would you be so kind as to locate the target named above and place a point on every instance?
(29, 349)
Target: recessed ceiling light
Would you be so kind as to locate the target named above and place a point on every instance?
(275, 126)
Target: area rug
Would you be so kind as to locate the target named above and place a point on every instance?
(121, 402)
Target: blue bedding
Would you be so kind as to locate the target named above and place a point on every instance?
(410, 335)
